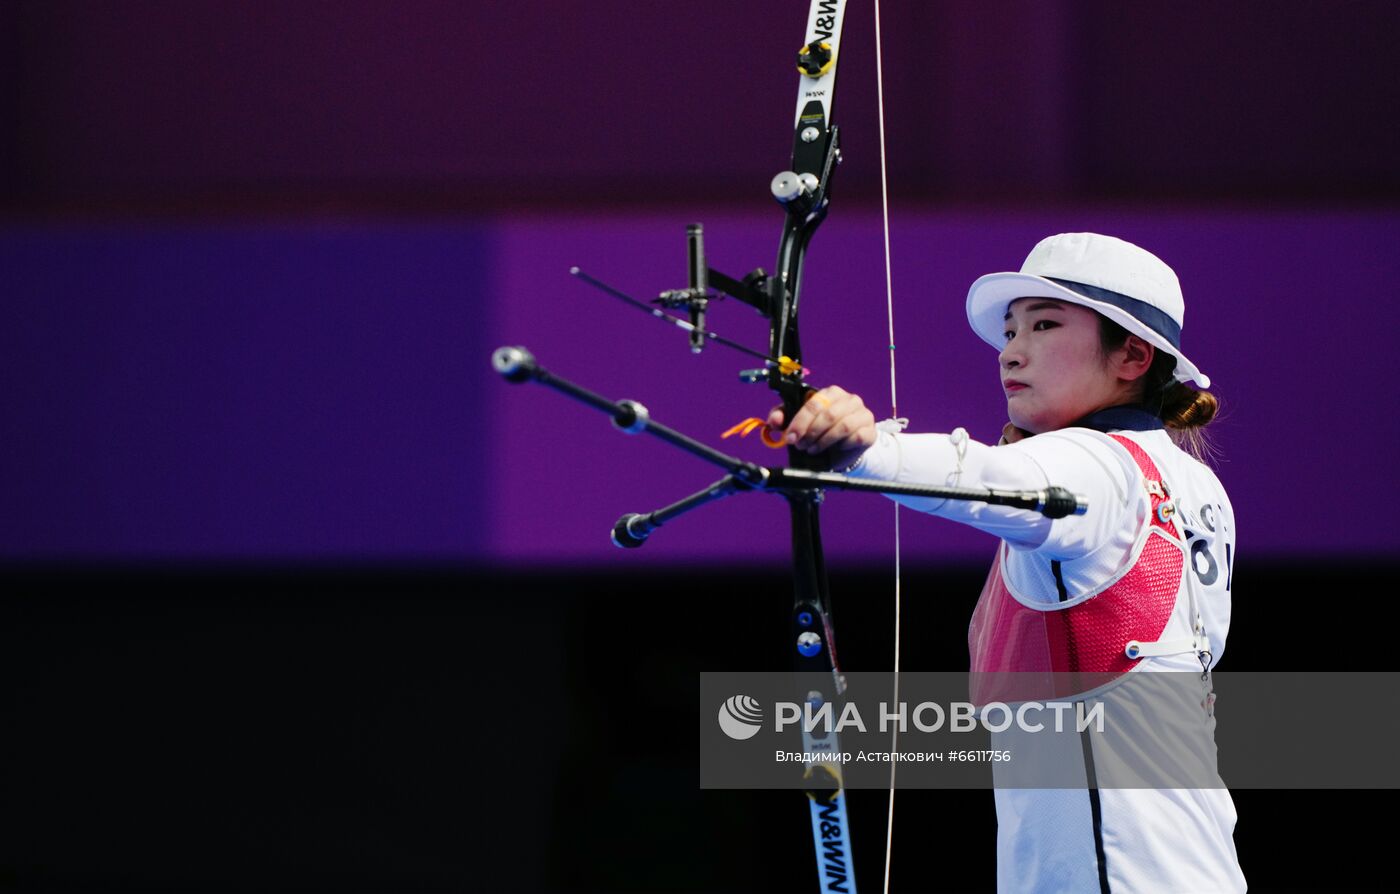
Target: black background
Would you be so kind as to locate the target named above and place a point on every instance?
(446, 729)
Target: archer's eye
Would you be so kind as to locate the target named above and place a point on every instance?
(1008, 335)
(1042, 325)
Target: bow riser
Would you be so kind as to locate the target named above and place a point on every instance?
(805, 194)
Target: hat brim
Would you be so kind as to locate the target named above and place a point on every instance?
(991, 295)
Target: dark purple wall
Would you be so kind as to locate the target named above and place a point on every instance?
(325, 391)
(243, 390)
(255, 258)
(157, 104)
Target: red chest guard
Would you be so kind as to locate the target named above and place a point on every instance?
(1086, 637)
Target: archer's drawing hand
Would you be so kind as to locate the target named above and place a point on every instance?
(832, 420)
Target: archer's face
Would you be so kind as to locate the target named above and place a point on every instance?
(1052, 368)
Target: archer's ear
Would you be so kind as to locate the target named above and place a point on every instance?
(1134, 358)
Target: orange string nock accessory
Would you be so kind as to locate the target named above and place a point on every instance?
(743, 429)
(772, 439)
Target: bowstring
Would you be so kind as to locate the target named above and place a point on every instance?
(894, 413)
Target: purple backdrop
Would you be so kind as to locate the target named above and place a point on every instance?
(236, 391)
(325, 390)
(356, 104)
(253, 260)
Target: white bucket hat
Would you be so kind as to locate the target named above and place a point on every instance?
(1127, 284)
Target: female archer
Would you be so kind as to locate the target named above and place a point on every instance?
(1089, 333)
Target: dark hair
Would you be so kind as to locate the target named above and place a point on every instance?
(1184, 410)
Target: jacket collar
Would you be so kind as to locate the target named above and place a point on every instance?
(1121, 418)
